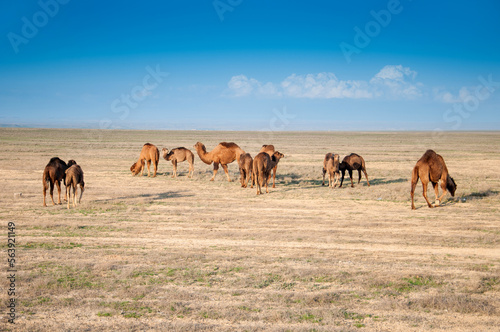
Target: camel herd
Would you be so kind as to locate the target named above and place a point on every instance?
(256, 171)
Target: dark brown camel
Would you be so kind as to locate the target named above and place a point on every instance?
(179, 155)
(54, 172)
(269, 149)
(262, 166)
(246, 167)
(331, 165)
(431, 167)
(350, 163)
(74, 177)
(223, 154)
(150, 154)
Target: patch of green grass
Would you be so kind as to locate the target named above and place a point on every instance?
(308, 317)
(416, 282)
(104, 314)
(268, 281)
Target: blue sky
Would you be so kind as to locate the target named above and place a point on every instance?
(251, 65)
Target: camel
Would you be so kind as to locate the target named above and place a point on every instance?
(431, 167)
(223, 154)
(150, 154)
(350, 163)
(331, 166)
(179, 155)
(262, 166)
(269, 149)
(74, 177)
(53, 173)
(246, 167)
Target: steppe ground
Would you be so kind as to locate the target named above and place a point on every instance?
(183, 254)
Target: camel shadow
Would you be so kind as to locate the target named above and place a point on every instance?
(154, 197)
(473, 196)
(382, 181)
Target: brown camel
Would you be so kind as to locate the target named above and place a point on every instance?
(53, 173)
(179, 155)
(331, 165)
(74, 177)
(262, 166)
(223, 154)
(269, 149)
(246, 167)
(431, 167)
(150, 154)
(350, 163)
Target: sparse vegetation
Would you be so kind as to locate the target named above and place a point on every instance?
(184, 254)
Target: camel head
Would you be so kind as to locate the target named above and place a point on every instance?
(451, 185)
(165, 153)
(278, 155)
(135, 168)
(199, 146)
(71, 162)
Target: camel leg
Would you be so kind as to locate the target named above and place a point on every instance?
(324, 172)
(81, 193)
(437, 201)
(342, 181)
(44, 192)
(156, 167)
(174, 165)
(216, 168)
(149, 168)
(350, 176)
(366, 176)
(242, 177)
(191, 170)
(68, 192)
(412, 192)
(266, 182)
(74, 195)
(253, 180)
(424, 188)
(443, 188)
(359, 176)
(227, 173)
(274, 175)
(58, 184)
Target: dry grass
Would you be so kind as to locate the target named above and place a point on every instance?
(185, 254)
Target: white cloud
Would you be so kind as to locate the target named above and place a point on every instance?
(448, 98)
(390, 82)
(397, 82)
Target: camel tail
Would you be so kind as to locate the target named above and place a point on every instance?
(414, 178)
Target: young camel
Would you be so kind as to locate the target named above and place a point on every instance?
(54, 172)
(331, 166)
(353, 162)
(269, 149)
(150, 154)
(262, 166)
(431, 167)
(246, 167)
(179, 155)
(74, 177)
(223, 154)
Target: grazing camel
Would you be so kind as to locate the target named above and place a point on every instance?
(179, 155)
(246, 167)
(269, 149)
(350, 163)
(431, 167)
(262, 166)
(331, 165)
(54, 172)
(74, 177)
(223, 154)
(150, 154)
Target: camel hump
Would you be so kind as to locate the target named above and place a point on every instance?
(229, 145)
